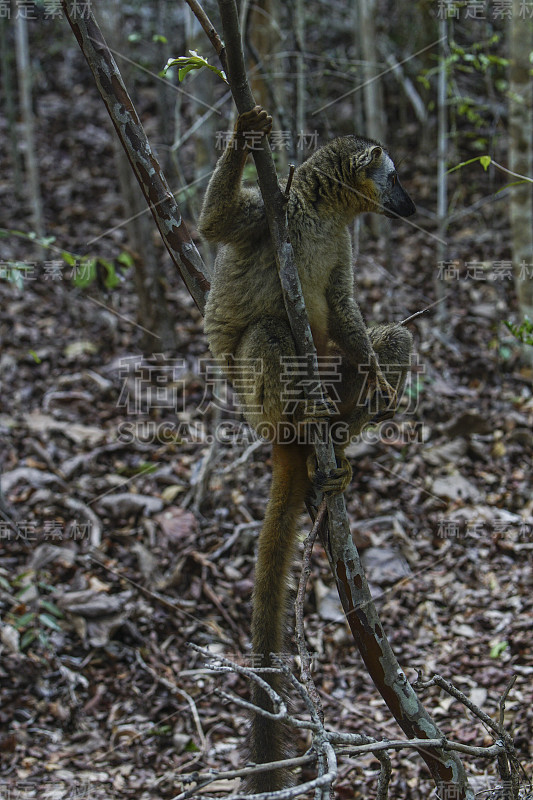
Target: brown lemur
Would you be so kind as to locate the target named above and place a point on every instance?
(247, 325)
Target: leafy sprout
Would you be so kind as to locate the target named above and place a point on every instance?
(522, 332)
(193, 61)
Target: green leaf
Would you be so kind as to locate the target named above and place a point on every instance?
(522, 332)
(22, 576)
(497, 649)
(24, 620)
(190, 62)
(484, 160)
(125, 259)
(28, 638)
(185, 70)
(157, 37)
(49, 622)
(24, 590)
(85, 273)
(69, 258)
(47, 587)
(505, 353)
(144, 468)
(513, 183)
(52, 608)
(35, 357)
(191, 747)
(163, 730)
(498, 60)
(111, 278)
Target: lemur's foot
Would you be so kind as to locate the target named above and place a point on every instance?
(381, 416)
(318, 410)
(314, 411)
(388, 400)
(333, 482)
(252, 125)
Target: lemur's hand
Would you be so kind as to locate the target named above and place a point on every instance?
(252, 126)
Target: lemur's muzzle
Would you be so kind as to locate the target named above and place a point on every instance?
(399, 204)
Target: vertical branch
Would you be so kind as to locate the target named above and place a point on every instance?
(146, 167)
(7, 86)
(521, 159)
(210, 31)
(442, 162)
(299, 29)
(24, 79)
(372, 96)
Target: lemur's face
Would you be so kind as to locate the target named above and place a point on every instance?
(394, 199)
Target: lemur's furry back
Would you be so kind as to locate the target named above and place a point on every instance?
(249, 333)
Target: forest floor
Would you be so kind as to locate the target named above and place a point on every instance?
(126, 550)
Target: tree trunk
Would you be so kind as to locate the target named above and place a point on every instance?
(299, 34)
(521, 160)
(263, 34)
(201, 93)
(372, 89)
(7, 74)
(442, 177)
(25, 91)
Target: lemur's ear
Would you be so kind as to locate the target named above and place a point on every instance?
(366, 157)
